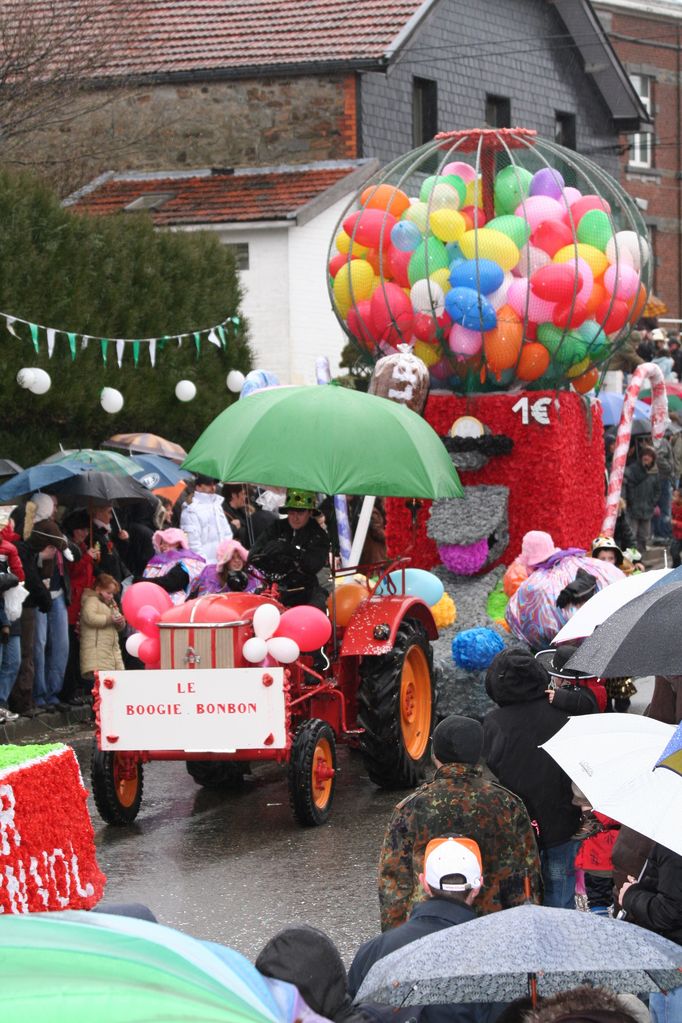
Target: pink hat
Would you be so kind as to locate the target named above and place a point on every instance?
(226, 548)
(536, 547)
(174, 537)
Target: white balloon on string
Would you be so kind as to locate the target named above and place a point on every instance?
(111, 400)
(185, 390)
(235, 381)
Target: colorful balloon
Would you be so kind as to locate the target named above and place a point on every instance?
(551, 235)
(385, 197)
(307, 626)
(464, 342)
(586, 381)
(392, 314)
(595, 228)
(427, 296)
(622, 281)
(447, 224)
(406, 236)
(557, 282)
(346, 598)
(547, 181)
(533, 362)
(487, 244)
(370, 227)
(502, 345)
(511, 186)
(482, 275)
(144, 594)
(430, 255)
(538, 208)
(467, 307)
(418, 583)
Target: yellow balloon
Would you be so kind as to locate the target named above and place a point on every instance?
(474, 193)
(353, 282)
(447, 224)
(418, 214)
(578, 368)
(595, 258)
(342, 243)
(488, 244)
(444, 612)
(427, 353)
(442, 278)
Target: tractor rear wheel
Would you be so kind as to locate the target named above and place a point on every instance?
(312, 772)
(117, 783)
(217, 774)
(396, 708)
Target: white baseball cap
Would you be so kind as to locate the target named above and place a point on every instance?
(446, 857)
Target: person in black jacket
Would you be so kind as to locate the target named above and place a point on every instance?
(574, 692)
(512, 735)
(247, 521)
(655, 901)
(293, 551)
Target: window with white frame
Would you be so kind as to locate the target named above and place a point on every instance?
(641, 145)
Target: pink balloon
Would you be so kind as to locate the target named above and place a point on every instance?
(527, 305)
(464, 342)
(144, 594)
(585, 271)
(584, 204)
(623, 281)
(148, 620)
(537, 208)
(572, 195)
(150, 651)
(307, 626)
(465, 171)
(370, 227)
(441, 370)
(531, 259)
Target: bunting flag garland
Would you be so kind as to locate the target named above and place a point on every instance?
(216, 335)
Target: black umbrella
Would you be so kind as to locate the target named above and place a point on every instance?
(641, 638)
(8, 467)
(100, 488)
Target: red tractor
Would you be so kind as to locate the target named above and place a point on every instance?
(208, 706)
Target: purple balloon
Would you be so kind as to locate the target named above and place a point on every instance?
(547, 182)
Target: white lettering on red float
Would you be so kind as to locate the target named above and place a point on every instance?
(51, 878)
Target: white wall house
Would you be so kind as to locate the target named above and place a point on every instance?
(282, 251)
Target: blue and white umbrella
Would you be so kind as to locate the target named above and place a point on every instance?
(612, 406)
(158, 471)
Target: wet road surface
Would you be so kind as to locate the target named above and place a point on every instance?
(234, 867)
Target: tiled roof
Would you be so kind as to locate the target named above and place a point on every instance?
(212, 197)
(170, 36)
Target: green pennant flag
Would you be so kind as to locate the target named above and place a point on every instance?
(34, 335)
(104, 344)
(236, 321)
(197, 342)
(163, 341)
(221, 335)
(72, 344)
(136, 352)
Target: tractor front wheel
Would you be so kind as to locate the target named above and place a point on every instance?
(312, 772)
(117, 782)
(396, 706)
(217, 774)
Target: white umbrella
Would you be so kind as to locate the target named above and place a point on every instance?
(611, 757)
(602, 605)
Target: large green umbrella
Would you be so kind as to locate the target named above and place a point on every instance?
(75, 966)
(329, 439)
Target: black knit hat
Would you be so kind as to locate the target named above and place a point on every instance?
(458, 740)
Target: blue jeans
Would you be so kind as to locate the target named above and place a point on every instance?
(10, 659)
(663, 523)
(558, 874)
(666, 1008)
(50, 652)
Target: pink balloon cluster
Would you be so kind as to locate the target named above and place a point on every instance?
(143, 604)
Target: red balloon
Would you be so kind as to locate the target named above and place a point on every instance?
(397, 263)
(475, 215)
(558, 282)
(425, 328)
(307, 626)
(336, 262)
(588, 202)
(370, 227)
(359, 322)
(551, 235)
(144, 594)
(612, 314)
(150, 651)
(445, 322)
(148, 620)
(569, 314)
(392, 313)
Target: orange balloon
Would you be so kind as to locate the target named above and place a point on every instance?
(513, 577)
(534, 361)
(502, 345)
(385, 197)
(637, 305)
(586, 381)
(348, 598)
(599, 294)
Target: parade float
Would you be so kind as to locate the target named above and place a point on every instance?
(513, 269)
(47, 843)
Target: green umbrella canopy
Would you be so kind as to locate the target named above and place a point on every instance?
(329, 439)
(66, 967)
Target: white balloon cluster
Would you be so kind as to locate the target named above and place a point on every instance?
(35, 380)
(264, 643)
(111, 400)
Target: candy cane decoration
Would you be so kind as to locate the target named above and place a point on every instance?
(659, 415)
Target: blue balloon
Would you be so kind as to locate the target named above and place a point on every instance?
(418, 583)
(257, 380)
(480, 274)
(454, 253)
(473, 311)
(406, 236)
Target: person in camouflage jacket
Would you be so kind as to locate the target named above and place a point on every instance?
(459, 801)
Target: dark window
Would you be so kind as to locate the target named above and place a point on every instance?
(497, 111)
(424, 110)
(240, 251)
(564, 130)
